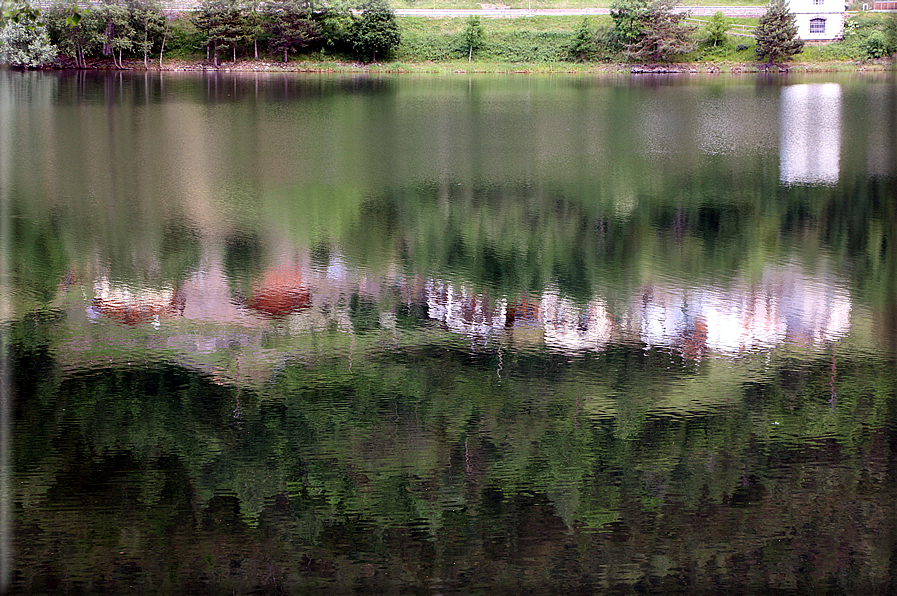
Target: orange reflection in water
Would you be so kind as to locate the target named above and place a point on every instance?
(280, 293)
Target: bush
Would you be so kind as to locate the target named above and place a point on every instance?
(875, 45)
(376, 31)
(25, 45)
(184, 39)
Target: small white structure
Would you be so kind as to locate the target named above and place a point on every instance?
(819, 20)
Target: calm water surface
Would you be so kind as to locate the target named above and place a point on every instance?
(283, 334)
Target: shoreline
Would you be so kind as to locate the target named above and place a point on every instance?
(449, 67)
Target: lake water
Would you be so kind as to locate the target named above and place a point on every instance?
(270, 333)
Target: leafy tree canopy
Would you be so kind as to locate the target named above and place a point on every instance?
(473, 35)
(25, 45)
(376, 31)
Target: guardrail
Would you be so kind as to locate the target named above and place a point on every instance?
(733, 29)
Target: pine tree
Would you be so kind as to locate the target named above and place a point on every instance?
(583, 42)
(663, 34)
(776, 34)
(290, 27)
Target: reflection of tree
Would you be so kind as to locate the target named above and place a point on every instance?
(424, 458)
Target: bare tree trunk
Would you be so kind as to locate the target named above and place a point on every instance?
(470, 55)
(255, 48)
(285, 55)
(164, 37)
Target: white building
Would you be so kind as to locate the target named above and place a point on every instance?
(819, 20)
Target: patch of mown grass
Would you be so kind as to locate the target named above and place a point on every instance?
(536, 39)
(545, 4)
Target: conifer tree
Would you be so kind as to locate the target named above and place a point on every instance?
(473, 35)
(776, 33)
(290, 26)
(663, 34)
(583, 42)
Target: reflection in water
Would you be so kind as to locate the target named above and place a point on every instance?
(526, 354)
(281, 292)
(810, 138)
(787, 305)
(133, 306)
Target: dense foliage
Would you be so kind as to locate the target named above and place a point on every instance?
(23, 44)
(776, 34)
(376, 31)
(663, 34)
(290, 27)
(635, 31)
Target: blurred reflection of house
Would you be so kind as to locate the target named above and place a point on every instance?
(810, 134)
(279, 293)
(133, 306)
(786, 307)
(463, 311)
(573, 328)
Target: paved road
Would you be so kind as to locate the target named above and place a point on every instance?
(510, 13)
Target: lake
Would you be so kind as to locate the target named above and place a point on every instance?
(303, 333)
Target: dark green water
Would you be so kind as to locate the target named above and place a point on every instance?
(287, 334)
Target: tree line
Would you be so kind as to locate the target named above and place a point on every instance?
(640, 31)
(138, 29)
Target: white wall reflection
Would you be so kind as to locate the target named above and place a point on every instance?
(810, 134)
(204, 317)
(787, 305)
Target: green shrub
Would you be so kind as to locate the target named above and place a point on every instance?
(527, 46)
(875, 45)
(25, 45)
(184, 39)
(427, 47)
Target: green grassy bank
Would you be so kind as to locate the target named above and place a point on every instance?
(543, 44)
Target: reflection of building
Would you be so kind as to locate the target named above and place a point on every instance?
(819, 20)
(281, 292)
(133, 306)
(786, 305)
(810, 134)
(464, 312)
(571, 328)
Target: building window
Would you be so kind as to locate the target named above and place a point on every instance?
(818, 2)
(817, 25)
